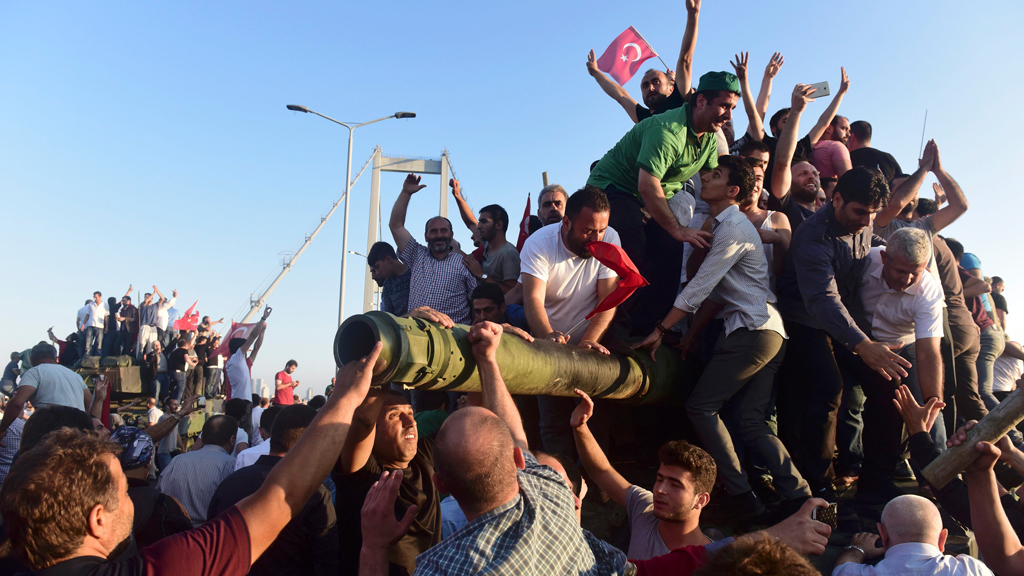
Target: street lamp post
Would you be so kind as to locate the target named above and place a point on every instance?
(348, 180)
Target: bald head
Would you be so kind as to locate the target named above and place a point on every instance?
(911, 518)
(474, 458)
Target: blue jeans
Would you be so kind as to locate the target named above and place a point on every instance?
(162, 461)
(159, 386)
(177, 384)
(81, 343)
(93, 340)
(992, 344)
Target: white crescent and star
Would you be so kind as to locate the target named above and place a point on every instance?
(638, 52)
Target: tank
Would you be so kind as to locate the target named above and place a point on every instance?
(419, 354)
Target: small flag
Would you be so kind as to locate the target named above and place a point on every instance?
(237, 331)
(625, 55)
(190, 321)
(524, 226)
(630, 278)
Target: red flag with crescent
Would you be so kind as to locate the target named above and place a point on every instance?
(190, 321)
(625, 55)
(524, 226)
(237, 331)
(630, 278)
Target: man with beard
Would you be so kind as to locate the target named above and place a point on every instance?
(551, 204)
(561, 284)
(500, 265)
(794, 186)
(642, 172)
(439, 278)
(392, 276)
(829, 331)
(128, 316)
(661, 91)
(830, 155)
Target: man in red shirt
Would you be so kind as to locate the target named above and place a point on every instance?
(80, 476)
(283, 395)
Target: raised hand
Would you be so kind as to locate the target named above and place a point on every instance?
(266, 313)
(917, 418)
(592, 64)
(584, 410)
(774, 65)
(940, 194)
(844, 84)
(929, 157)
(412, 184)
(456, 188)
(801, 96)
(485, 338)
(693, 6)
(740, 65)
(380, 529)
(188, 405)
(353, 379)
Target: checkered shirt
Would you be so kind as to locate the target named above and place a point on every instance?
(535, 533)
(444, 285)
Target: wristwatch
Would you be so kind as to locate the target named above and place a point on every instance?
(176, 416)
(483, 276)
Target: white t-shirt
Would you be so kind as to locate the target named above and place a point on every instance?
(1005, 373)
(249, 456)
(238, 374)
(241, 437)
(571, 290)
(97, 314)
(908, 315)
(82, 313)
(153, 415)
(168, 443)
(55, 386)
(255, 435)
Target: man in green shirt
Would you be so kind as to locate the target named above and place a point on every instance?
(645, 169)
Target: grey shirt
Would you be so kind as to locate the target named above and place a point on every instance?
(645, 541)
(55, 386)
(502, 264)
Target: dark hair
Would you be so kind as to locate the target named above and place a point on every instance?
(534, 224)
(380, 251)
(269, 416)
(255, 399)
(291, 363)
(692, 459)
(182, 342)
(201, 339)
(751, 146)
(954, 246)
(709, 95)
(490, 292)
(835, 120)
(219, 429)
(128, 298)
(863, 185)
(42, 351)
(426, 227)
(317, 402)
(776, 118)
(240, 409)
(497, 213)
(862, 130)
(97, 293)
(50, 418)
(757, 554)
(828, 180)
(234, 344)
(586, 197)
(926, 207)
(431, 402)
(289, 426)
(997, 280)
(741, 175)
(50, 492)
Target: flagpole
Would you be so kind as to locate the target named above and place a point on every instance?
(923, 128)
(573, 329)
(649, 46)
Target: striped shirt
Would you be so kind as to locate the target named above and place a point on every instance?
(9, 449)
(193, 477)
(444, 285)
(534, 533)
(735, 273)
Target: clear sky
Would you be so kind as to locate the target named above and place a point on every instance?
(148, 143)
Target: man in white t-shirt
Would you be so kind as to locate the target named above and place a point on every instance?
(562, 283)
(904, 303)
(250, 455)
(1007, 370)
(153, 413)
(95, 320)
(257, 413)
(46, 384)
(83, 313)
(237, 366)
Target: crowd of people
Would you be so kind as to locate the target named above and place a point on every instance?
(814, 291)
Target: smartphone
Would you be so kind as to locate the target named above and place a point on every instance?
(820, 90)
(827, 515)
(202, 401)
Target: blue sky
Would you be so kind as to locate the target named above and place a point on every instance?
(149, 143)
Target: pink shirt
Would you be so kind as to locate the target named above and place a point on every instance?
(829, 156)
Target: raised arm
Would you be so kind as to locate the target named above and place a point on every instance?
(464, 210)
(907, 191)
(830, 112)
(755, 126)
(954, 195)
(359, 443)
(161, 429)
(14, 407)
(782, 176)
(128, 294)
(684, 67)
(160, 296)
(397, 223)
(259, 343)
(996, 539)
(485, 337)
(94, 402)
(613, 90)
(296, 477)
(594, 460)
(257, 330)
(773, 67)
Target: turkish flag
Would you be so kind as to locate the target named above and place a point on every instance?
(524, 226)
(630, 278)
(190, 321)
(237, 331)
(625, 55)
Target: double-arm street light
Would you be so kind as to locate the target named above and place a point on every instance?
(348, 182)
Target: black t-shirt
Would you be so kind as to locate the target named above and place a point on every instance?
(881, 161)
(999, 301)
(417, 488)
(176, 361)
(673, 101)
(202, 353)
(801, 154)
(788, 206)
